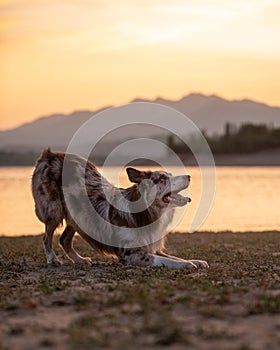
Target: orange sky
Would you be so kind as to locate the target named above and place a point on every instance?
(60, 56)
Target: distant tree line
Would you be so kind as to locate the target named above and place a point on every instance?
(247, 138)
(11, 158)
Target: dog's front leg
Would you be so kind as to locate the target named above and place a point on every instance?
(197, 263)
(144, 259)
(172, 263)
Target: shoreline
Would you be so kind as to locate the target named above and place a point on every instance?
(267, 158)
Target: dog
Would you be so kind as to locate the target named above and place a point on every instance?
(130, 224)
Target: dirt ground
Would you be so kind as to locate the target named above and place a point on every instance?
(234, 305)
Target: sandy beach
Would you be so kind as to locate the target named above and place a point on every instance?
(234, 305)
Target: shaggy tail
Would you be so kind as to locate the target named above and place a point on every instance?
(46, 187)
(46, 153)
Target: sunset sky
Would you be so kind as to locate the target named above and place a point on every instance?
(60, 56)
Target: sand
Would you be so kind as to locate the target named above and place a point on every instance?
(234, 305)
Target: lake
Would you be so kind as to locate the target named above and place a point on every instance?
(246, 199)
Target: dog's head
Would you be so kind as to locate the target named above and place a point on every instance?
(162, 185)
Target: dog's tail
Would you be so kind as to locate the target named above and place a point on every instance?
(46, 153)
(46, 187)
(50, 164)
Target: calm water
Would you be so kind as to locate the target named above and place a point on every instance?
(247, 198)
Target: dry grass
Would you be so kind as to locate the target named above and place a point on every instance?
(235, 305)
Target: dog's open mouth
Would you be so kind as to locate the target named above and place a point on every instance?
(175, 198)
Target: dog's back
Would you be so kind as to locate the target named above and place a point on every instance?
(47, 186)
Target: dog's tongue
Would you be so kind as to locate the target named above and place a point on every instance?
(179, 199)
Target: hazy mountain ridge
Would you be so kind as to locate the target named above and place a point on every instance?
(208, 112)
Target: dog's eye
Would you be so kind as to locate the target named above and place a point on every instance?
(155, 181)
(162, 178)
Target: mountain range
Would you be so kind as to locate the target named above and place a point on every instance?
(209, 113)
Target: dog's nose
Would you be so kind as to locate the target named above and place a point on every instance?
(188, 177)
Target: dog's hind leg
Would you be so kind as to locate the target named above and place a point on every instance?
(66, 241)
(47, 242)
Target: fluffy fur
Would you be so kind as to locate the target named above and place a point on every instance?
(146, 208)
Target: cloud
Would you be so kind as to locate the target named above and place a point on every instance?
(93, 26)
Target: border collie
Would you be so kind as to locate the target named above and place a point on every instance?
(130, 224)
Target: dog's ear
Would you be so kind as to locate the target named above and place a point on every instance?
(135, 175)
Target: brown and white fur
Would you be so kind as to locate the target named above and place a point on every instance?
(51, 209)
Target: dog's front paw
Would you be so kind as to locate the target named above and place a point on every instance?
(200, 263)
(189, 265)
